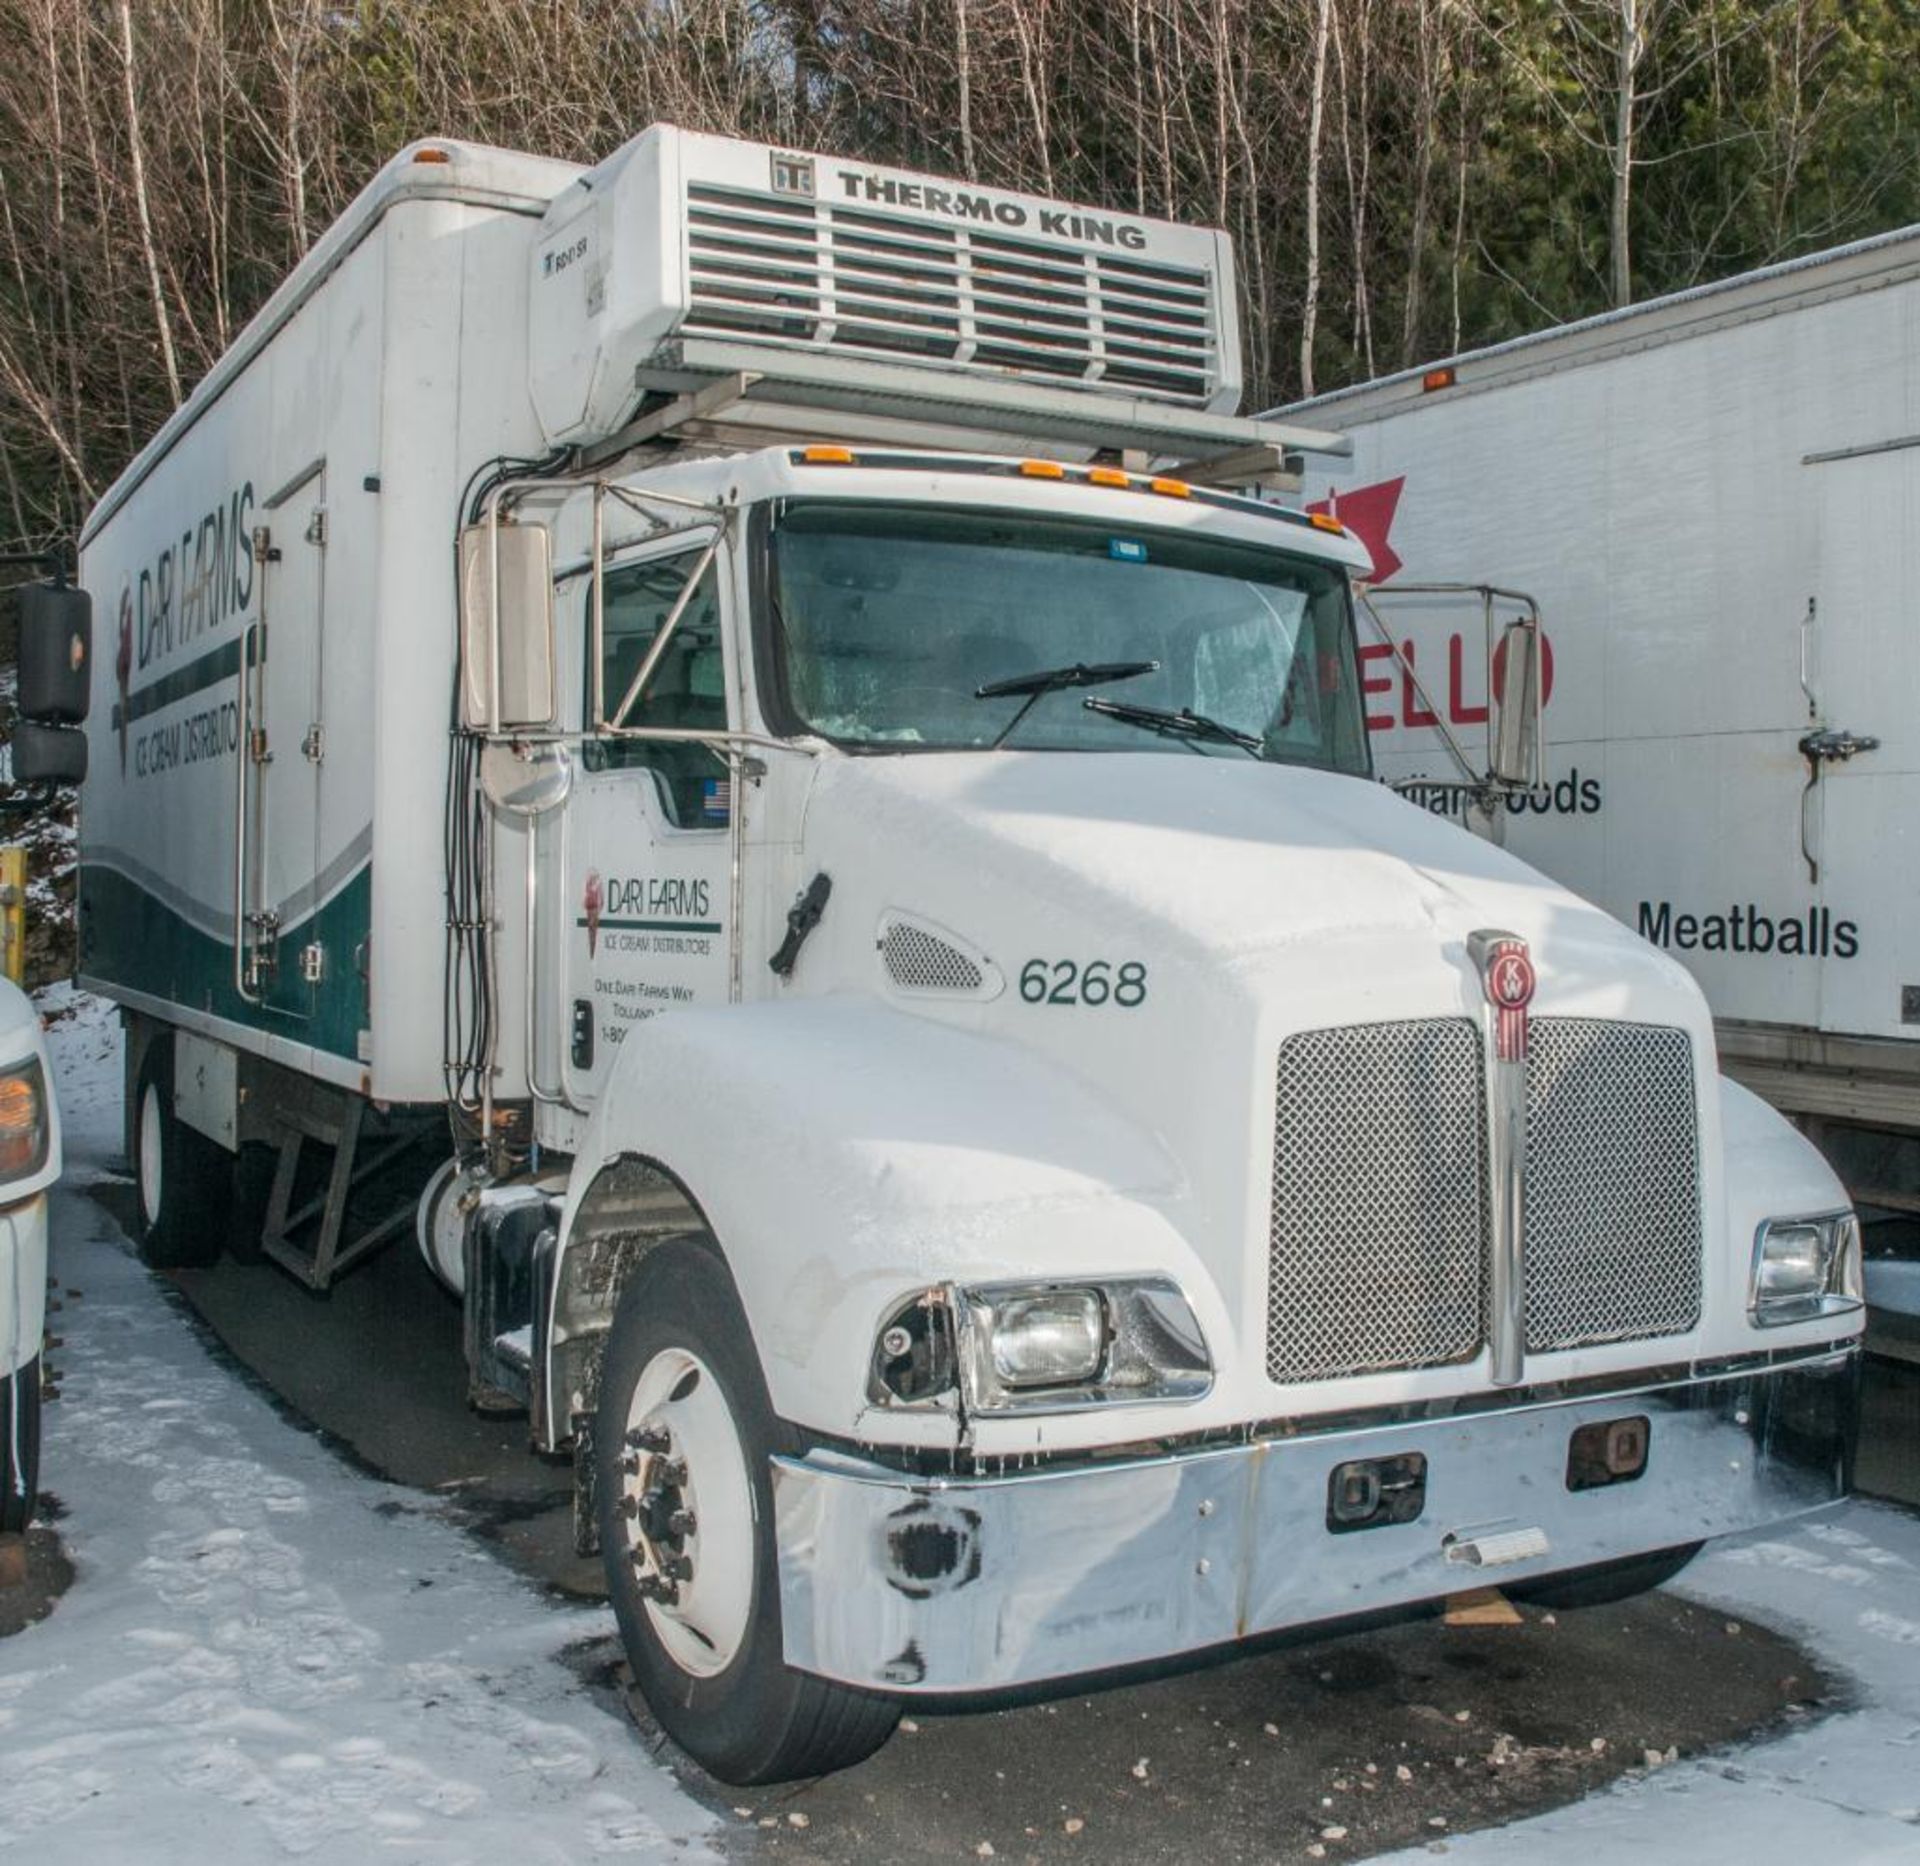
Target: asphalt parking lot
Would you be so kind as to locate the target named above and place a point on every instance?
(1382, 1737)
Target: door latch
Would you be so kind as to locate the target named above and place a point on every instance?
(1832, 746)
(314, 745)
(313, 962)
(1826, 746)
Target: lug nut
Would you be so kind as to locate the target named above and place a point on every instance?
(650, 1438)
(673, 1473)
(681, 1523)
(677, 1568)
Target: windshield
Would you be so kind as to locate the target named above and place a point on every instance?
(888, 620)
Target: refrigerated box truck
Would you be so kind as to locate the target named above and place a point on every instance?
(746, 697)
(1714, 500)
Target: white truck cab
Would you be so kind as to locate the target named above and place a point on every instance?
(999, 1147)
(29, 1164)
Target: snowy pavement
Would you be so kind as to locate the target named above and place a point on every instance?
(1844, 1790)
(265, 1653)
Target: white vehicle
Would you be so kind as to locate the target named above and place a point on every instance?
(1714, 498)
(1000, 1148)
(29, 1164)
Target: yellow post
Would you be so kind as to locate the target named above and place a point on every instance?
(13, 912)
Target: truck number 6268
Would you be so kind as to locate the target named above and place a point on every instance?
(1067, 981)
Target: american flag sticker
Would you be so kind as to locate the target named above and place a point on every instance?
(716, 800)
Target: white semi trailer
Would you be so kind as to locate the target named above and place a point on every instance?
(744, 693)
(1714, 498)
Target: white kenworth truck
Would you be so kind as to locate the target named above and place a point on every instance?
(749, 703)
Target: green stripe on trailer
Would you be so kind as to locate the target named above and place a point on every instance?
(129, 937)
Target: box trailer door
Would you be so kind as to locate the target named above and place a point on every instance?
(1863, 671)
(280, 859)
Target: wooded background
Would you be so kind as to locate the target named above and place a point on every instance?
(1402, 178)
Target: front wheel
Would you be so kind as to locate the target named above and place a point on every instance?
(682, 1438)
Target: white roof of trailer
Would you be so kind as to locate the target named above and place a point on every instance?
(432, 170)
(1840, 271)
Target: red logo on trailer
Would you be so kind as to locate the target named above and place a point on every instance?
(1509, 978)
(1367, 512)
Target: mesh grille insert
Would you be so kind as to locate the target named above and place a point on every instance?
(1613, 1184)
(917, 960)
(1379, 1220)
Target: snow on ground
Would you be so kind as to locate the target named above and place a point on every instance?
(1841, 1792)
(265, 1654)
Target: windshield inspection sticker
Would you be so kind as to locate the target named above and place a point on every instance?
(1127, 550)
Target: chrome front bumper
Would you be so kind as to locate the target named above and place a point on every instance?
(926, 1584)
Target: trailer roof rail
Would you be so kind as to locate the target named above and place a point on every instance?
(717, 393)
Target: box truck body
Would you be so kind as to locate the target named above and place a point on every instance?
(741, 700)
(1715, 500)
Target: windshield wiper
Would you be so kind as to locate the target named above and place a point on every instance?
(1185, 724)
(1043, 681)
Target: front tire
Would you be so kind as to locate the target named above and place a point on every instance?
(19, 1446)
(184, 1180)
(685, 1495)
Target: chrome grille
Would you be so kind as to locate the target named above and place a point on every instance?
(1379, 1219)
(917, 960)
(860, 279)
(1613, 1243)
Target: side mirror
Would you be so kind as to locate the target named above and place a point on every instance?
(56, 653)
(525, 780)
(506, 628)
(1516, 733)
(48, 754)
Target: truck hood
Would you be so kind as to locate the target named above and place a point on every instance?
(1230, 865)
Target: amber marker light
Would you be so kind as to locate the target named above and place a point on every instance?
(1325, 521)
(1170, 488)
(1042, 469)
(1107, 476)
(827, 456)
(1436, 379)
(433, 155)
(23, 1127)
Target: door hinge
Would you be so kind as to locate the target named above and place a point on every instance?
(263, 551)
(316, 532)
(313, 962)
(314, 745)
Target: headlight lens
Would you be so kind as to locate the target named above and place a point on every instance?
(23, 1121)
(1804, 1269)
(1056, 1338)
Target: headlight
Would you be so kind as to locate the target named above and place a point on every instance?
(1057, 1338)
(1041, 1347)
(1804, 1269)
(23, 1121)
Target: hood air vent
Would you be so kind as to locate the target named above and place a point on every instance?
(927, 961)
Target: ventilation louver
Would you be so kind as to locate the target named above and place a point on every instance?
(927, 961)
